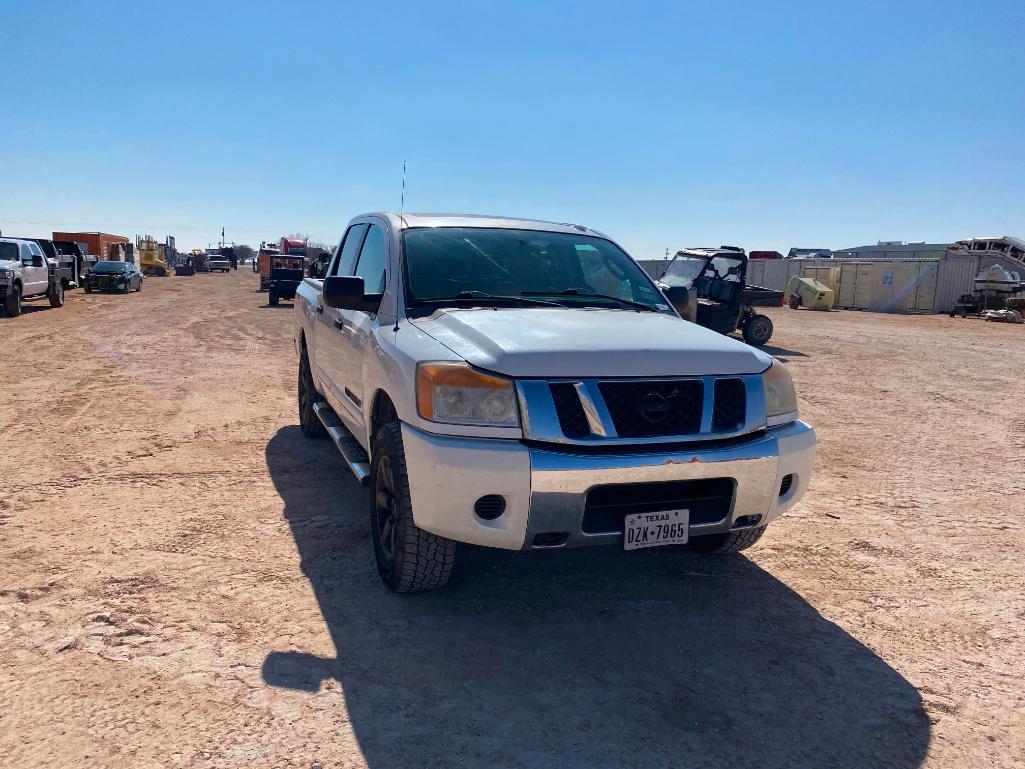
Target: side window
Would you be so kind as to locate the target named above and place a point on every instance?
(26, 253)
(373, 261)
(346, 258)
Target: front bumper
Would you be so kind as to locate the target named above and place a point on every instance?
(546, 489)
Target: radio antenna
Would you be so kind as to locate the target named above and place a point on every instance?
(402, 221)
(402, 204)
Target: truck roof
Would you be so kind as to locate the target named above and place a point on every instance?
(410, 220)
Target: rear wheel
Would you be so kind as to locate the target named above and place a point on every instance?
(757, 330)
(56, 295)
(724, 544)
(309, 423)
(88, 288)
(272, 298)
(13, 303)
(408, 559)
(795, 301)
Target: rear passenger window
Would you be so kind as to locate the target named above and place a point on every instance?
(350, 247)
(373, 260)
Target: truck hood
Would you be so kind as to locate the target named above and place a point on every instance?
(9, 264)
(589, 343)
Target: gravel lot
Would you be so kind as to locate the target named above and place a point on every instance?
(186, 581)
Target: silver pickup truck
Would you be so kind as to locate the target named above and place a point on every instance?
(523, 385)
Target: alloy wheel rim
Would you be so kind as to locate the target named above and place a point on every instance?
(385, 517)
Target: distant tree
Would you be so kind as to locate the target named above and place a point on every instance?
(244, 253)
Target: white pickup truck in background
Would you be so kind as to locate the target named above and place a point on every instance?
(523, 385)
(26, 273)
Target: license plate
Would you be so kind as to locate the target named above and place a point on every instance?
(668, 527)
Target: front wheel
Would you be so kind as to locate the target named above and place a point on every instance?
(88, 288)
(272, 298)
(795, 301)
(757, 330)
(56, 295)
(725, 544)
(408, 559)
(13, 303)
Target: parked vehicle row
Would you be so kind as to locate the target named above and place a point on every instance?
(525, 385)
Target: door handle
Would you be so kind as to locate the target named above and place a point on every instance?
(339, 323)
(320, 309)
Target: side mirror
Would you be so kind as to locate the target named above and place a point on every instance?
(347, 293)
(682, 300)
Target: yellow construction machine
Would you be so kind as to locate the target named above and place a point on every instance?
(151, 256)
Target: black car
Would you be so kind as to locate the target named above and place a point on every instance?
(113, 276)
(283, 282)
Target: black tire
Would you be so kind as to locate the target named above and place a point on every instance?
(408, 559)
(128, 288)
(161, 272)
(728, 543)
(139, 289)
(272, 298)
(88, 288)
(13, 303)
(795, 301)
(757, 330)
(309, 423)
(56, 295)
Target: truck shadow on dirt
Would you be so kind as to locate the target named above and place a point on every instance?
(584, 658)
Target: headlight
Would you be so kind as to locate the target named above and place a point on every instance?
(780, 396)
(458, 394)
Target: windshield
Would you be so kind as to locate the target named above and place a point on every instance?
(110, 267)
(476, 264)
(8, 251)
(685, 269)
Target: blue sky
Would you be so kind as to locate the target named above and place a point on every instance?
(765, 125)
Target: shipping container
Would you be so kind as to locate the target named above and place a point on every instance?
(97, 243)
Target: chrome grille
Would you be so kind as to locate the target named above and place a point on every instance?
(599, 411)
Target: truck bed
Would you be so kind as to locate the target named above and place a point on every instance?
(756, 296)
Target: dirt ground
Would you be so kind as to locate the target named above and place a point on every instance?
(186, 581)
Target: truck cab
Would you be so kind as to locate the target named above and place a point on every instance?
(524, 385)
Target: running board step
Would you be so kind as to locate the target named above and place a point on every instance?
(353, 454)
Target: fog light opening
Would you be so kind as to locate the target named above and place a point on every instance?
(747, 521)
(785, 486)
(489, 507)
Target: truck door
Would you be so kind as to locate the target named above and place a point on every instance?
(359, 326)
(331, 349)
(35, 276)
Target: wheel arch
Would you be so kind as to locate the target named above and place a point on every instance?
(382, 411)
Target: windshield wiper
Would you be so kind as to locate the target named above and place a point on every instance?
(475, 297)
(593, 295)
